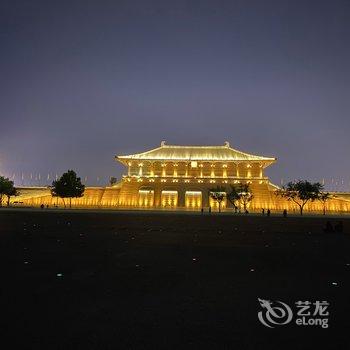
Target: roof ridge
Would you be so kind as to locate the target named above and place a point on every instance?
(191, 146)
(200, 152)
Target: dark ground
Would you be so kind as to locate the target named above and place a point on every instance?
(163, 281)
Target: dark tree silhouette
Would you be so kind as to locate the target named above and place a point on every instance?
(218, 194)
(113, 180)
(245, 195)
(68, 186)
(7, 189)
(12, 192)
(233, 196)
(301, 192)
(324, 197)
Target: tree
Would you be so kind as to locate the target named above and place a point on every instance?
(233, 196)
(68, 186)
(7, 188)
(324, 197)
(218, 194)
(300, 192)
(245, 195)
(112, 181)
(11, 193)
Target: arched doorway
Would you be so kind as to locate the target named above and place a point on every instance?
(146, 197)
(169, 198)
(193, 199)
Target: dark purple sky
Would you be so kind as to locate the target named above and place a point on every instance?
(82, 81)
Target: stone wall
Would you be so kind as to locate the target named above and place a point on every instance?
(172, 195)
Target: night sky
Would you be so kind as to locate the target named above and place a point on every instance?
(82, 81)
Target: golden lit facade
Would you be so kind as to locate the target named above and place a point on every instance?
(181, 176)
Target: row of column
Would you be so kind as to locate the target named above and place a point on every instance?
(197, 171)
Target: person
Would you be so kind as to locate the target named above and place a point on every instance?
(328, 228)
(268, 212)
(246, 211)
(263, 211)
(202, 210)
(236, 210)
(338, 227)
(42, 206)
(285, 213)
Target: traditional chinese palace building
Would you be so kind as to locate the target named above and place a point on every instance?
(181, 177)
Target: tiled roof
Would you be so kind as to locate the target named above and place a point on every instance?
(190, 153)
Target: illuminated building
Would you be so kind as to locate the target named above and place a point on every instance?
(181, 177)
